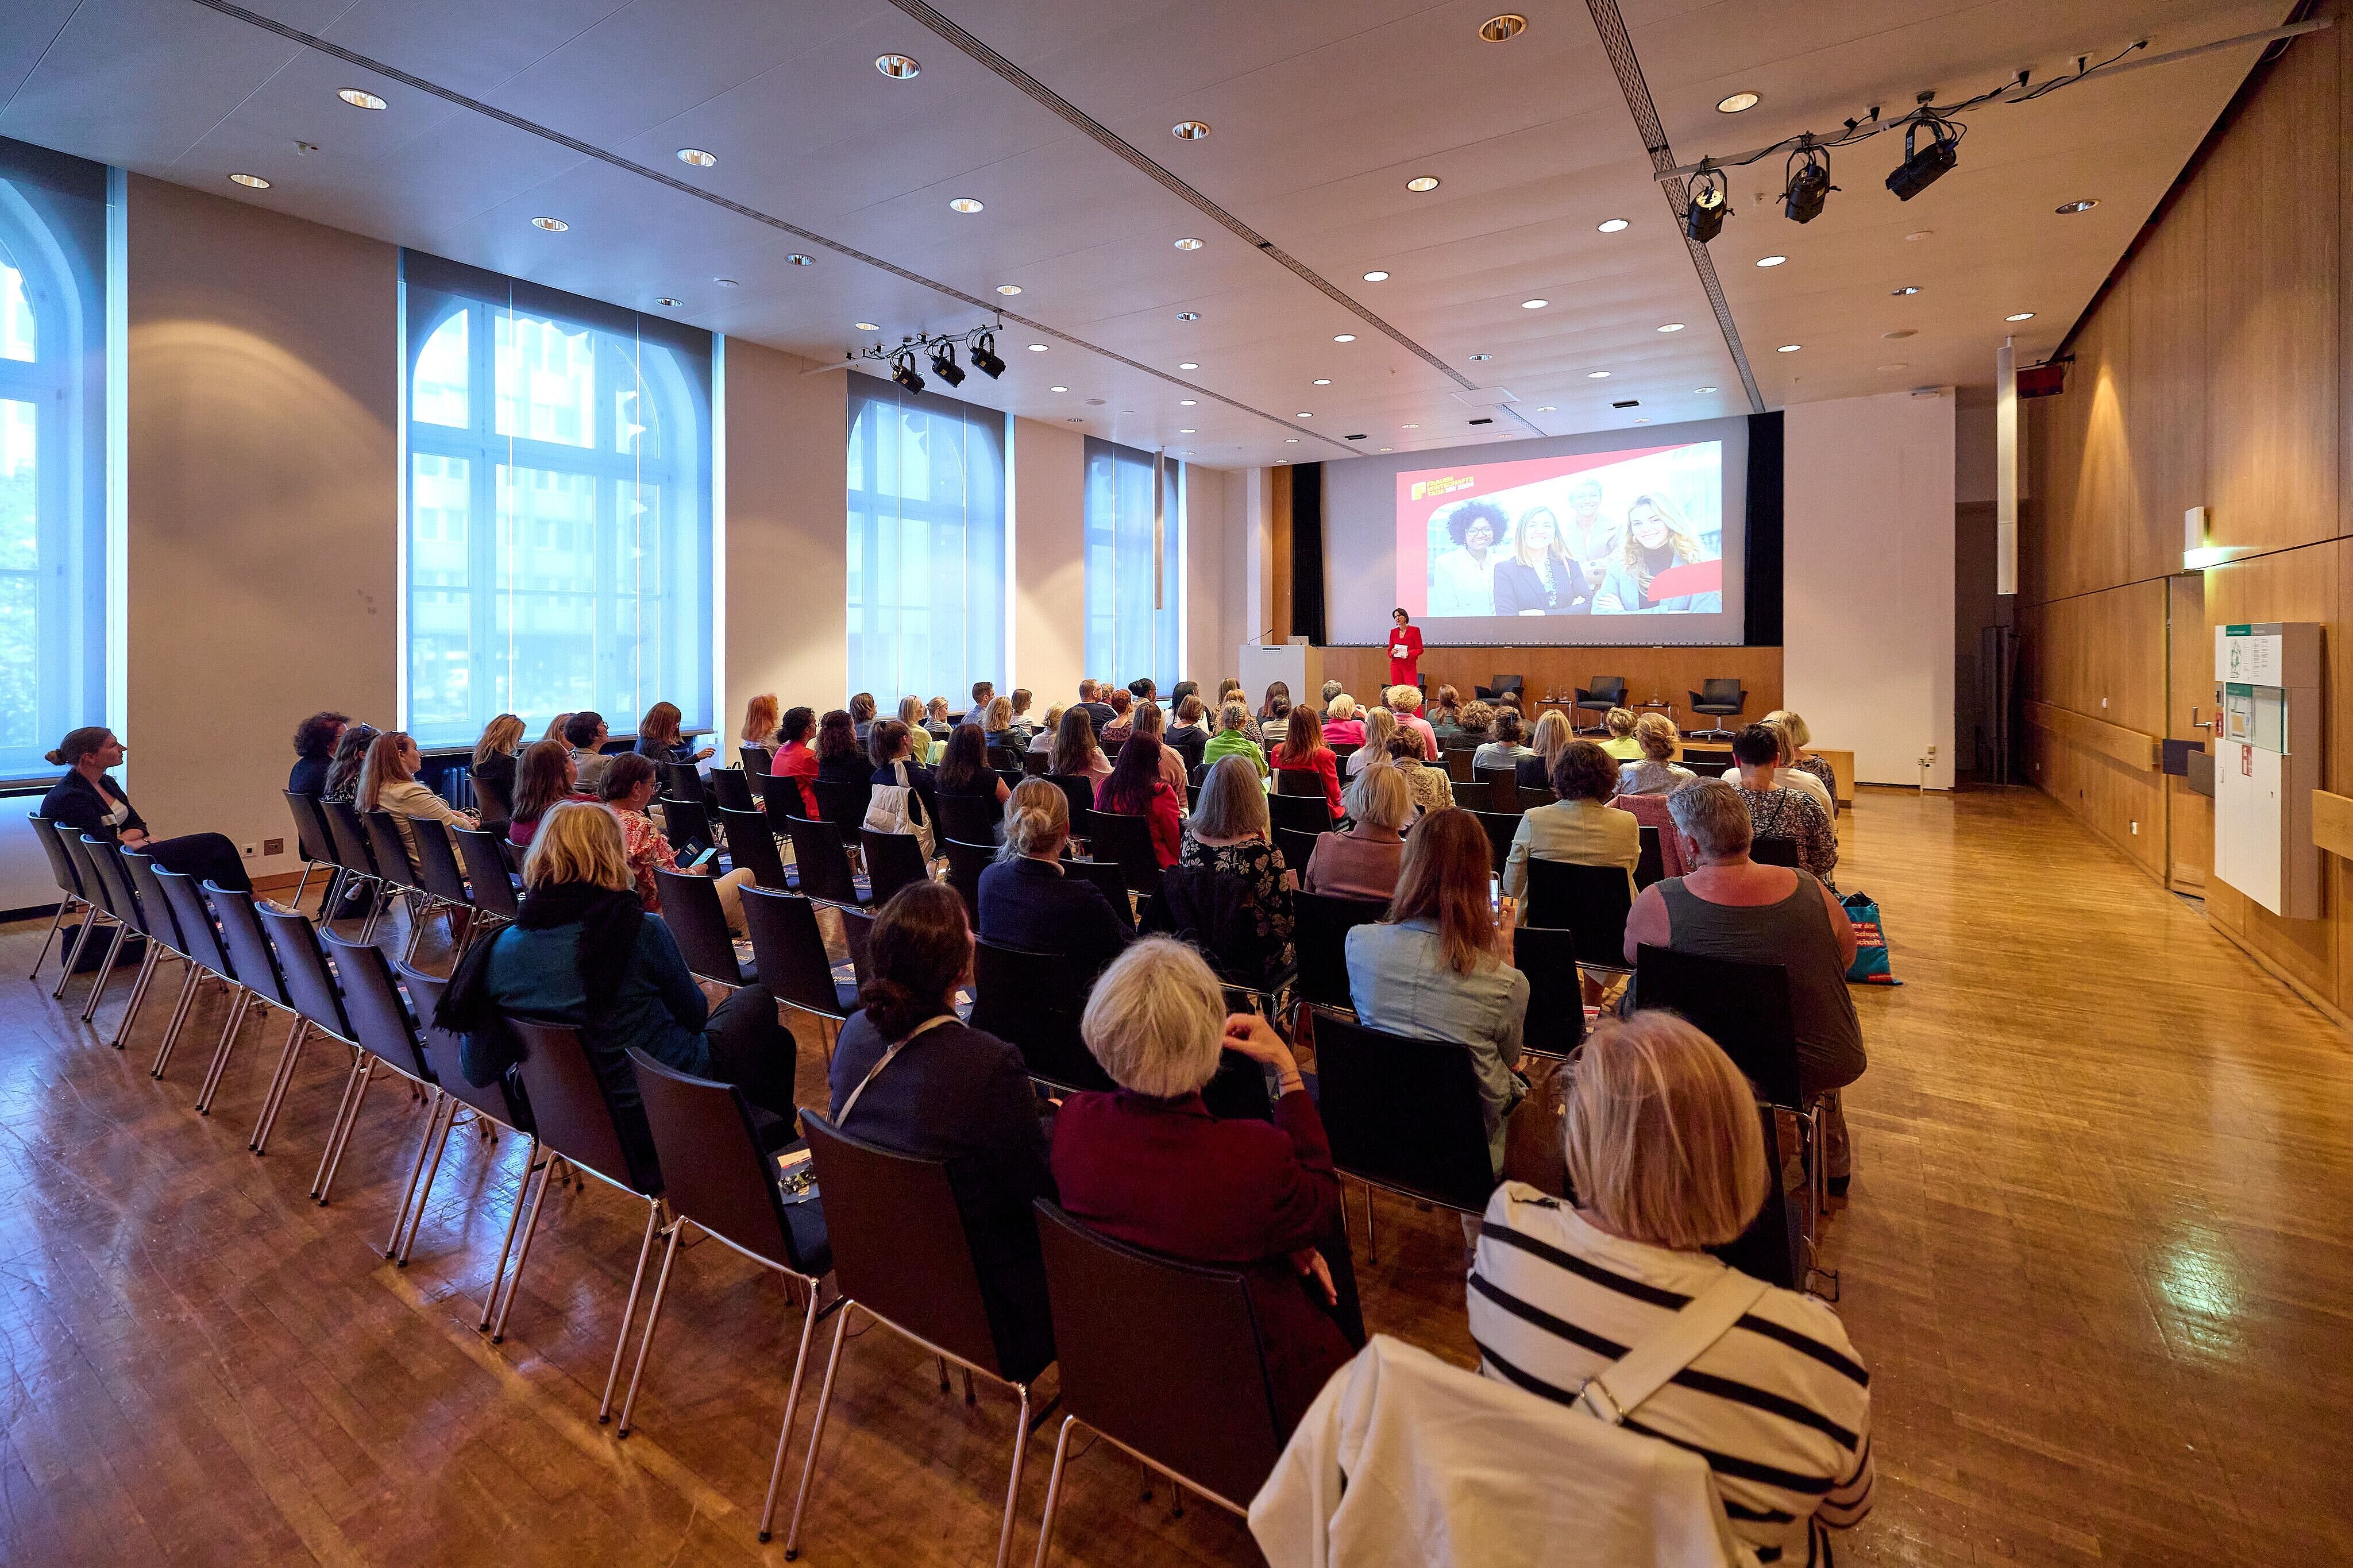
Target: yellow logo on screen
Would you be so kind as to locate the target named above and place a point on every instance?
(1424, 489)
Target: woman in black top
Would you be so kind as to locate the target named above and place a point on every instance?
(88, 802)
(964, 770)
(658, 737)
(493, 767)
(314, 748)
(840, 754)
(344, 771)
(892, 749)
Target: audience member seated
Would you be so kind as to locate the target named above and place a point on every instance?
(907, 1076)
(935, 719)
(587, 733)
(984, 693)
(1581, 827)
(351, 755)
(1553, 733)
(861, 716)
(1342, 726)
(1436, 967)
(1783, 806)
(1378, 724)
(1189, 736)
(1048, 730)
(1229, 690)
(1150, 1166)
(1027, 901)
(1273, 714)
(314, 751)
(1181, 690)
(388, 784)
(1666, 1158)
(630, 787)
(1786, 774)
(1798, 760)
(1122, 718)
(1727, 906)
(1020, 726)
(1651, 811)
(1234, 738)
(659, 740)
(1332, 690)
(1502, 747)
(86, 801)
(892, 749)
(1098, 712)
(495, 760)
(1445, 715)
(1405, 701)
(1304, 750)
(964, 770)
(1150, 721)
(996, 721)
(911, 714)
(1362, 863)
(1144, 688)
(1076, 754)
(795, 758)
(1231, 834)
(760, 724)
(1655, 773)
(840, 753)
(1136, 786)
(1621, 743)
(1431, 787)
(555, 727)
(1472, 724)
(584, 952)
(544, 776)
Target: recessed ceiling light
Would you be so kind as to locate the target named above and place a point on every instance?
(2019, 316)
(1501, 29)
(1422, 183)
(1323, 381)
(1187, 365)
(1385, 448)
(1291, 440)
(1188, 402)
(965, 205)
(1921, 234)
(1534, 304)
(359, 99)
(1737, 103)
(1188, 315)
(866, 326)
(1413, 426)
(1009, 288)
(726, 282)
(1611, 226)
(1480, 359)
(1303, 414)
(797, 260)
(1548, 408)
(1188, 430)
(1641, 422)
(898, 67)
(256, 182)
(1906, 289)
(552, 225)
(1058, 389)
(1789, 348)
(1377, 276)
(1703, 390)
(1189, 451)
(1037, 348)
(1671, 327)
(2086, 205)
(1596, 375)
(1343, 337)
(1187, 242)
(1902, 332)
(1188, 129)
(1280, 461)
(698, 157)
(1771, 260)
(666, 302)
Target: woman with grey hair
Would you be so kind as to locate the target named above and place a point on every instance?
(1150, 1166)
(1728, 905)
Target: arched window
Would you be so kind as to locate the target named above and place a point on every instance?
(52, 452)
(559, 505)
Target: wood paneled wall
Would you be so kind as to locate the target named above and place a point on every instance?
(2214, 372)
(1673, 673)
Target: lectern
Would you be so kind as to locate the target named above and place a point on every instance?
(1294, 663)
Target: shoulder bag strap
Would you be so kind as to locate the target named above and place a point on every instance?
(887, 1057)
(1616, 1393)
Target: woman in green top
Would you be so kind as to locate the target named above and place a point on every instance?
(1621, 743)
(1234, 738)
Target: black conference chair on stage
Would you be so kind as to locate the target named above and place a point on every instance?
(1719, 699)
(1607, 692)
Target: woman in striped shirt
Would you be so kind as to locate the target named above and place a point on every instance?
(1665, 1150)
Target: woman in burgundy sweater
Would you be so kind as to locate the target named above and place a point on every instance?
(1138, 787)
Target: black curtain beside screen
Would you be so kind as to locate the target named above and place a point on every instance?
(1762, 589)
(1307, 617)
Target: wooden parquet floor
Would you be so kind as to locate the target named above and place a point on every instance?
(2096, 1257)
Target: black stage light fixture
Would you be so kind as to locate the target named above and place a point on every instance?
(1925, 167)
(903, 371)
(944, 366)
(1705, 212)
(983, 356)
(1808, 185)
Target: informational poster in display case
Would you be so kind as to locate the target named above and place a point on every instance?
(2267, 762)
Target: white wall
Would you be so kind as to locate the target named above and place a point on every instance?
(787, 535)
(1049, 570)
(1868, 489)
(1214, 586)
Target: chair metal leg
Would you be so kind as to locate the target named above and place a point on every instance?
(1013, 1488)
(416, 1207)
(73, 958)
(105, 971)
(970, 1397)
(211, 1085)
(286, 1057)
(1053, 1492)
(148, 962)
(531, 1167)
(363, 1072)
(817, 1432)
(1372, 1237)
(56, 922)
(522, 1254)
(943, 1374)
(629, 1311)
(653, 1316)
(792, 1404)
(189, 984)
(435, 1097)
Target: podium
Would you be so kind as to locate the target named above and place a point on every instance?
(1295, 663)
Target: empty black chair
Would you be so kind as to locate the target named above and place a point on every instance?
(751, 843)
(687, 824)
(718, 1178)
(1719, 699)
(72, 900)
(106, 912)
(1204, 1416)
(972, 818)
(386, 1033)
(444, 881)
(1300, 813)
(820, 860)
(257, 973)
(1474, 795)
(442, 1050)
(1556, 1016)
(781, 793)
(1003, 759)
(965, 863)
(899, 1252)
(1320, 928)
(1707, 761)
(1770, 850)
(1298, 781)
(684, 781)
(1403, 1115)
(691, 908)
(1651, 867)
(755, 760)
(121, 899)
(1458, 760)
(350, 843)
(789, 950)
(1295, 847)
(1126, 839)
(1500, 827)
(844, 805)
(731, 789)
(312, 839)
(1498, 685)
(311, 988)
(1107, 876)
(857, 929)
(187, 901)
(1035, 764)
(1590, 901)
(1032, 1002)
(166, 939)
(1078, 791)
(1503, 788)
(488, 884)
(1607, 692)
(894, 860)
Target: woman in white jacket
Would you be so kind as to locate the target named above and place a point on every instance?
(388, 782)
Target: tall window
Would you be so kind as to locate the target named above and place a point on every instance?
(559, 505)
(926, 544)
(52, 452)
(1133, 566)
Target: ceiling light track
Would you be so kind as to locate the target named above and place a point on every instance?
(687, 188)
(1620, 47)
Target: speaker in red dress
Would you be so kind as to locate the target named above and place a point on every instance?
(1405, 651)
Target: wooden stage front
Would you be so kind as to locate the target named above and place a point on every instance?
(1668, 674)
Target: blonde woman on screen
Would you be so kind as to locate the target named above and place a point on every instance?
(1657, 538)
(1538, 578)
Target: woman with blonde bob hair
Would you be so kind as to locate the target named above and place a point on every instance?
(1150, 1166)
(1656, 773)
(1667, 1158)
(1027, 899)
(1795, 738)
(1362, 863)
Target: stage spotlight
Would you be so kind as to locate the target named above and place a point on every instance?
(1704, 218)
(983, 356)
(1925, 167)
(944, 366)
(1808, 185)
(903, 371)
